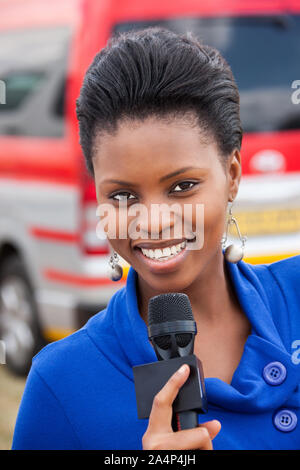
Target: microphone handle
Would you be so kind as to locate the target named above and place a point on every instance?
(185, 420)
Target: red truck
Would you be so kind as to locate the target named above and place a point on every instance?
(52, 265)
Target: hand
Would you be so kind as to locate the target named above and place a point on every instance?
(160, 435)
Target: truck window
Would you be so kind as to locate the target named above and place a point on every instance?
(264, 54)
(33, 70)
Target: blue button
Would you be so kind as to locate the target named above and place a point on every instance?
(285, 420)
(274, 373)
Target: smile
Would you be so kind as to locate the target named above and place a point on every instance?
(163, 260)
(164, 254)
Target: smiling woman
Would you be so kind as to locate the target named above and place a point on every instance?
(160, 129)
(151, 155)
(159, 125)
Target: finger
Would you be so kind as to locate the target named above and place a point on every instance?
(213, 427)
(189, 439)
(160, 418)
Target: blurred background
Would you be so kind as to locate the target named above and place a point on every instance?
(52, 265)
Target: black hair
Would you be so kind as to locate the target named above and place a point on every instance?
(156, 72)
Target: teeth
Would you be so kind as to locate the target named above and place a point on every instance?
(173, 250)
(164, 252)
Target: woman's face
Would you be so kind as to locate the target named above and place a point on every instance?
(155, 162)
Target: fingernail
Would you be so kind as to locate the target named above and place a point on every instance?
(216, 422)
(182, 370)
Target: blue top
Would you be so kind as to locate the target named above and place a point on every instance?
(80, 391)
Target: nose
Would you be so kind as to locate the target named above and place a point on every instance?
(154, 221)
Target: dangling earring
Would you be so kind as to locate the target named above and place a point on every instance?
(233, 253)
(115, 270)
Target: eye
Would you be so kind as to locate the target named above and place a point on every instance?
(121, 196)
(184, 185)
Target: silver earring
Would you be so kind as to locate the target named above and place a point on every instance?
(233, 253)
(115, 270)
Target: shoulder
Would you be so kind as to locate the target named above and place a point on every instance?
(80, 345)
(279, 285)
(75, 349)
(286, 275)
(74, 356)
(62, 351)
(52, 375)
(285, 271)
(283, 274)
(62, 361)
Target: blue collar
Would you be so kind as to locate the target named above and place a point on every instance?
(248, 391)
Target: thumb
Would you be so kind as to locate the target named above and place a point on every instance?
(213, 427)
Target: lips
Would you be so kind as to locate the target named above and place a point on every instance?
(162, 244)
(164, 264)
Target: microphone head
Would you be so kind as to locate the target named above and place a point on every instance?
(167, 308)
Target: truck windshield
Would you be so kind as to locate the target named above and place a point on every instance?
(264, 55)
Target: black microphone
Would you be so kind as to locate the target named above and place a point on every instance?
(172, 330)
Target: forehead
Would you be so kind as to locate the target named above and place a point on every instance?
(152, 144)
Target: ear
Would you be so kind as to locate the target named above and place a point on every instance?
(234, 172)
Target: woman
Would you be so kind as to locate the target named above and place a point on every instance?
(159, 124)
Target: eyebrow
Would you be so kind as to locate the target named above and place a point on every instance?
(178, 172)
(170, 175)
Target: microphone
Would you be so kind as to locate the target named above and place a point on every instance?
(172, 330)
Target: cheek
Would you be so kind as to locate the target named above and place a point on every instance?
(214, 221)
(209, 215)
(122, 223)
(117, 225)
(215, 205)
(120, 246)
(112, 221)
